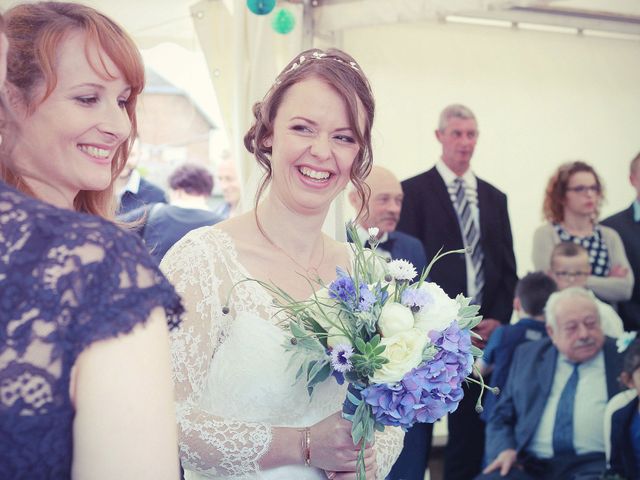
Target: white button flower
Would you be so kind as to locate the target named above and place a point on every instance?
(402, 270)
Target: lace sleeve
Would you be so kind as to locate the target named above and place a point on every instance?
(388, 447)
(209, 444)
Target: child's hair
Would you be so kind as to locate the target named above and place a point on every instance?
(631, 360)
(534, 290)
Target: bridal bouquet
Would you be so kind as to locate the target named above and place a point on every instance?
(404, 348)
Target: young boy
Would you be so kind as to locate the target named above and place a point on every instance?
(570, 268)
(532, 293)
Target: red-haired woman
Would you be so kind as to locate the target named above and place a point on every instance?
(73, 79)
(85, 384)
(571, 206)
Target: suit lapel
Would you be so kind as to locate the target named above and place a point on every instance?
(483, 206)
(630, 215)
(442, 194)
(546, 372)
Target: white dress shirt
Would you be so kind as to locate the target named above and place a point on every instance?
(588, 413)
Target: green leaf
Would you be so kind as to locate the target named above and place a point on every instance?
(475, 351)
(357, 432)
(379, 349)
(316, 373)
(297, 330)
(375, 340)
(360, 345)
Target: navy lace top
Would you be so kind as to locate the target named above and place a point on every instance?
(66, 280)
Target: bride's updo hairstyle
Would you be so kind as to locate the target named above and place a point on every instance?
(338, 70)
(35, 32)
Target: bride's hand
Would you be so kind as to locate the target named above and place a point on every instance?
(332, 448)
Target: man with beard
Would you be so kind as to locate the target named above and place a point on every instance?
(548, 423)
(385, 204)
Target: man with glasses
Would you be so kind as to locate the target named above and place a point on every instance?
(570, 268)
(549, 421)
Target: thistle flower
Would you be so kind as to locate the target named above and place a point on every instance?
(340, 356)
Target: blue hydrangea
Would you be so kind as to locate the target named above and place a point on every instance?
(430, 391)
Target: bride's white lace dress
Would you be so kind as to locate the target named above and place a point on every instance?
(230, 371)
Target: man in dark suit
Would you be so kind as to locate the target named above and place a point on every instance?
(549, 422)
(133, 190)
(449, 208)
(627, 224)
(385, 204)
(384, 207)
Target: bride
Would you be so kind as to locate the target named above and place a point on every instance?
(240, 412)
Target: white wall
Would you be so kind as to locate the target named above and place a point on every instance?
(540, 99)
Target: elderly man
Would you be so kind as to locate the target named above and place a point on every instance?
(449, 207)
(548, 423)
(385, 204)
(627, 224)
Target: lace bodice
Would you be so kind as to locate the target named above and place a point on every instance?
(230, 371)
(66, 280)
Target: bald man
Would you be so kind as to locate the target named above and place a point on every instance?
(385, 204)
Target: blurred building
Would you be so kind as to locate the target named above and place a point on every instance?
(172, 129)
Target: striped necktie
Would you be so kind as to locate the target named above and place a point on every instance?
(470, 234)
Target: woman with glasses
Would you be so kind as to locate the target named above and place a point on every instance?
(571, 207)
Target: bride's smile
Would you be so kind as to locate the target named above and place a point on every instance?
(313, 145)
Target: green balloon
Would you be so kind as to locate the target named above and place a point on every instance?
(283, 21)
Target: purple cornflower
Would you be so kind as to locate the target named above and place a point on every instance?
(340, 355)
(367, 298)
(342, 288)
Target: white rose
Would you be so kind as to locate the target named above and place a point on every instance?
(336, 337)
(439, 311)
(404, 352)
(395, 318)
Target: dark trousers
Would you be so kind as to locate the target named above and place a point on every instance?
(465, 447)
(588, 466)
(414, 458)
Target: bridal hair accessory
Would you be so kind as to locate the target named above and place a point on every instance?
(625, 340)
(316, 55)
